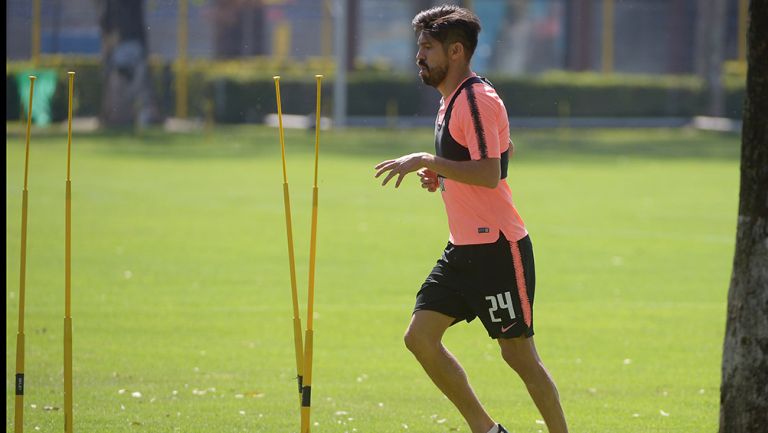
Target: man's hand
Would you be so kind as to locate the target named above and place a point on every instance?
(428, 179)
(402, 166)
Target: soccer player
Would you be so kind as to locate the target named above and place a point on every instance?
(487, 269)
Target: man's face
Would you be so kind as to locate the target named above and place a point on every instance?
(431, 60)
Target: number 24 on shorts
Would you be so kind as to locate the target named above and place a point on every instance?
(504, 301)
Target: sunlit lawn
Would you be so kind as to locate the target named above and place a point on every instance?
(182, 308)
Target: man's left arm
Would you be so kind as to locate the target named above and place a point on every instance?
(475, 124)
(482, 172)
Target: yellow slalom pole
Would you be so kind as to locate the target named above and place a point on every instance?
(19, 414)
(68, 418)
(291, 261)
(306, 396)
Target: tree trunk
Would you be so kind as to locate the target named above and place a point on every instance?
(127, 96)
(580, 22)
(702, 46)
(239, 26)
(710, 40)
(744, 389)
(716, 58)
(353, 27)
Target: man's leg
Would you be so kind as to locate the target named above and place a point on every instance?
(520, 353)
(423, 339)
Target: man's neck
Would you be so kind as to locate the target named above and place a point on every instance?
(453, 79)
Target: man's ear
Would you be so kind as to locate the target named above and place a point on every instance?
(456, 50)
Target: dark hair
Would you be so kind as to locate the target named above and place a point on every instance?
(449, 24)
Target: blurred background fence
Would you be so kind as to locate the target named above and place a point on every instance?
(548, 58)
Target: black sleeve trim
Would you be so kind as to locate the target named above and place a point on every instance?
(475, 111)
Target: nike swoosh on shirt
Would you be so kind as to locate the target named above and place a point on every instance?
(505, 329)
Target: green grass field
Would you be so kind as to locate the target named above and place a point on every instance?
(181, 305)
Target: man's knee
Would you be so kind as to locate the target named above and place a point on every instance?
(522, 357)
(419, 342)
(425, 332)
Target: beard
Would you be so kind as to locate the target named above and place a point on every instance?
(432, 76)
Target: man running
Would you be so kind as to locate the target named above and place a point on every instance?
(487, 269)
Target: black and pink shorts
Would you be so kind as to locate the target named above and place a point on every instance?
(494, 282)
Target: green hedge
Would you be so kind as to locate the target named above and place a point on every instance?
(237, 100)
(578, 95)
(236, 92)
(87, 90)
(594, 95)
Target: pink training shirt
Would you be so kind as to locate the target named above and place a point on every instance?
(476, 214)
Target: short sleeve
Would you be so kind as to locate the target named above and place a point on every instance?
(474, 123)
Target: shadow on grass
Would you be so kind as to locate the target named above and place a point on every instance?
(376, 144)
